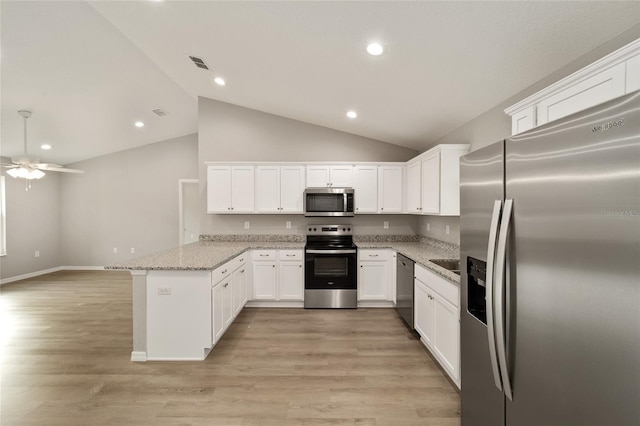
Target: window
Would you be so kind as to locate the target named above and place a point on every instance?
(3, 217)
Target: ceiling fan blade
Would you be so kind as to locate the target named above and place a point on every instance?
(47, 166)
(9, 165)
(59, 169)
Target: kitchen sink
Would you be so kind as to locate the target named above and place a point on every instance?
(452, 265)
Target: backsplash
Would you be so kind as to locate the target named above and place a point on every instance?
(254, 238)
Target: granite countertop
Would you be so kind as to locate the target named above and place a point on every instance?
(201, 255)
(421, 252)
(213, 251)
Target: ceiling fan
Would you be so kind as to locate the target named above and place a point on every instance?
(29, 167)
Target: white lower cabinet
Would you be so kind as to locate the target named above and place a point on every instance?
(437, 319)
(228, 295)
(374, 275)
(278, 275)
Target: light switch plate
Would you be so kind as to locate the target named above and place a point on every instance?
(385, 224)
(247, 225)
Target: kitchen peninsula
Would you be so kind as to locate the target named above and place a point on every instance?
(184, 299)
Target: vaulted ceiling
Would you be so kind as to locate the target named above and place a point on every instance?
(89, 70)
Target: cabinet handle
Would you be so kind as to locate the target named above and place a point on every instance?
(381, 208)
(373, 255)
(264, 255)
(241, 260)
(242, 272)
(225, 285)
(291, 255)
(273, 266)
(224, 272)
(299, 266)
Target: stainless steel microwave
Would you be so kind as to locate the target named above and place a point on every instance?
(328, 202)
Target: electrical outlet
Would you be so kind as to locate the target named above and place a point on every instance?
(115, 250)
(164, 291)
(37, 254)
(247, 225)
(428, 227)
(385, 224)
(288, 225)
(447, 230)
(133, 250)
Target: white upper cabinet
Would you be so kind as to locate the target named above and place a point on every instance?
(608, 78)
(329, 176)
(414, 187)
(366, 189)
(389, 189)
(230, 189)
(433, 181)
(279, 189)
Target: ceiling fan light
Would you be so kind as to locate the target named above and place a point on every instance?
(15, 172)
(35, 174)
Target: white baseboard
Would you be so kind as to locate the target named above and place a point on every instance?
(375, 304)
(274, 304)
(138, 356)
(48, 271)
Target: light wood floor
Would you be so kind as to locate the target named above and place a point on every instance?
(65, 361)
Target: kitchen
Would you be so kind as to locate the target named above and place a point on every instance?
(85, 243)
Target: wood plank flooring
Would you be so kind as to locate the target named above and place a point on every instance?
(66, 343)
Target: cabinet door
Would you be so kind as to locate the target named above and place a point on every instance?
(431, 184)
(218, 189)
(341, 176)
(523, 121)
(290, 281)
(292, 184)
(446, 335)
(317, 176)
(423, 312)
(268, 189)
(264, 280)
(372, 280)
(366, 189)
(390, 189)
(242, 189)
(599, 88)
(239, 289)
(217, 315)
(414, 185)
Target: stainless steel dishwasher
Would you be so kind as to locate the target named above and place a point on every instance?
(404, 288)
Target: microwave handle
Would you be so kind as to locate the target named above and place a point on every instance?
(344, 202)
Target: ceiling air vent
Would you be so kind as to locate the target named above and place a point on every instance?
(199, 62)
(160, 112)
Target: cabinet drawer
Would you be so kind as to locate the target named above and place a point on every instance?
(444, 288)
(263, 254)
(221, 272)
(366, 254)
(238, 261)
(290, 255)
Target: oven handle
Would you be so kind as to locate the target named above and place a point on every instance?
(331, 251)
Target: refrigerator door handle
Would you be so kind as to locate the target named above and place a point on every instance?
(491, 250)
(499, 298)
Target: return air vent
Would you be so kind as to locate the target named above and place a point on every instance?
(199, 62)
(160, 112)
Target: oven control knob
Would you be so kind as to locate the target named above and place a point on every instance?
(315, 229)
(348, 229)
(309, 229)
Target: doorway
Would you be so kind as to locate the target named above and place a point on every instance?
(189, 215)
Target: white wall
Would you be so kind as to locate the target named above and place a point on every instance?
(33, 219)
(232, 133)
(124, 200)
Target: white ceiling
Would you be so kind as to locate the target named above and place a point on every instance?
(89, 70)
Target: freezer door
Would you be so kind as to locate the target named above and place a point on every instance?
(481, 184)
(575, 269)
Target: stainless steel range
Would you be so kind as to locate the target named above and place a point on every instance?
(330, 267)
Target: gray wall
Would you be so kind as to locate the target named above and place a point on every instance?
(33, 219)
(494, 124)
(124, 200)
(232, 133)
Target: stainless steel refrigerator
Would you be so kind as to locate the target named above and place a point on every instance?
(550, 240)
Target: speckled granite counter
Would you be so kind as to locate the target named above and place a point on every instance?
(202, 255)
(213, 251)
(421, 250)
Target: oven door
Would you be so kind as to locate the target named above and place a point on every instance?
(331, 269)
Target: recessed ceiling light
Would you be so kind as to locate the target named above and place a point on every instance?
(375, 49)
(45, 146)
(139, 124)
(219, 81)
(352, 114)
